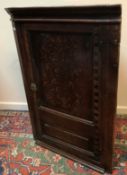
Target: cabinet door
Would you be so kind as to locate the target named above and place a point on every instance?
(67, 69)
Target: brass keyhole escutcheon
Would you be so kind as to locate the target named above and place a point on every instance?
(33, 87)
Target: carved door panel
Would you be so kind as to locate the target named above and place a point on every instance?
(65, 67)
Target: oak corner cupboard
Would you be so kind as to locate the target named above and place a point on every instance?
(69, 58)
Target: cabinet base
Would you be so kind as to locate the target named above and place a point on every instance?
(69, 156)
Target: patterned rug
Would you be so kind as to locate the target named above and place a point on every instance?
(19, 155)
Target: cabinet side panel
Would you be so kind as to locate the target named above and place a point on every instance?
(27, 76)
(110, 62)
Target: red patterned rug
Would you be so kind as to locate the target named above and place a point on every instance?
(19, 155)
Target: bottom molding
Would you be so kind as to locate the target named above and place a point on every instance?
(13, 106)
(69, 156)
(121, 109)
(24, 107)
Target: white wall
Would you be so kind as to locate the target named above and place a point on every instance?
(12, 94)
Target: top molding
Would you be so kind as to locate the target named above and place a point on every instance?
(105, 13)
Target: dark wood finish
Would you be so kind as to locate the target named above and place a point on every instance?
(69, 58)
